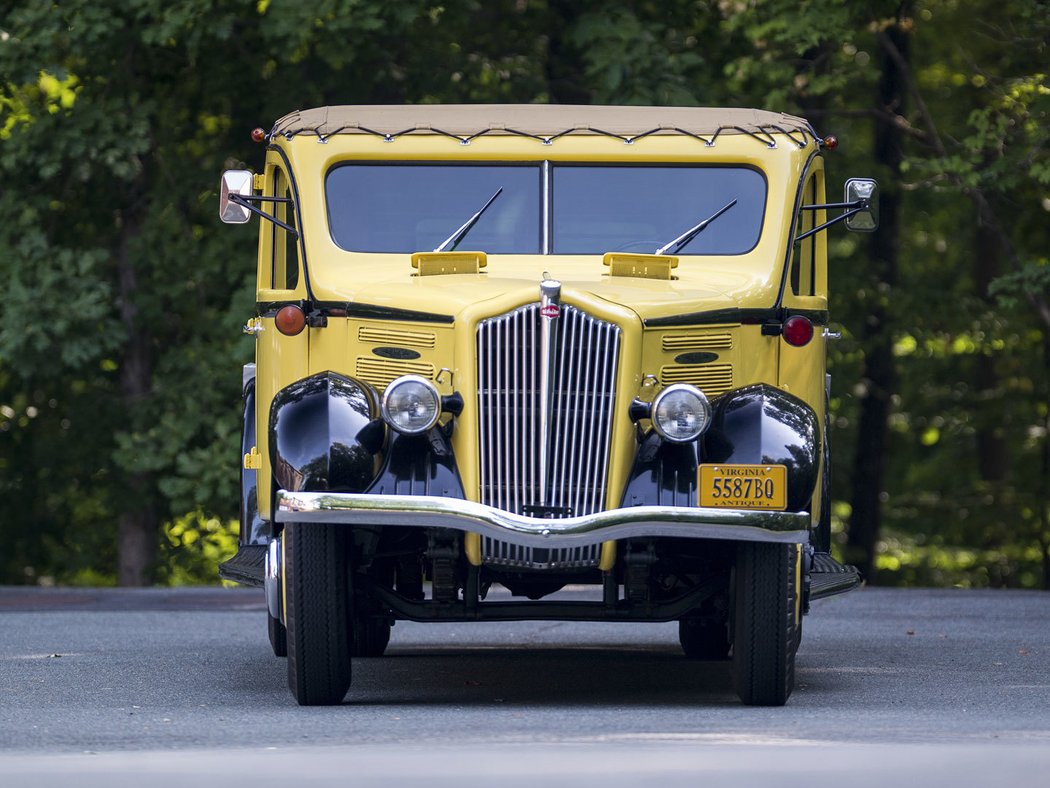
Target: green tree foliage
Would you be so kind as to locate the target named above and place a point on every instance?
(965, 469)
(120, 345)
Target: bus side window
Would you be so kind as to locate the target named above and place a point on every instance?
(804, 260)
(284, 261)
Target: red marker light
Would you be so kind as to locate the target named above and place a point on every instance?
(258, 135)
(798, 331)
(831, 142)
(290, 320)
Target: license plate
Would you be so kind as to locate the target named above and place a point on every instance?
(744, 486)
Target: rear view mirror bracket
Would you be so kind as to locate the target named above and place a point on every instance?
(236, 201)
(860, 206)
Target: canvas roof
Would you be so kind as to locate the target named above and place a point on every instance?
(541, 120)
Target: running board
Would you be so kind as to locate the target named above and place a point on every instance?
(246, 567)
(828, 577)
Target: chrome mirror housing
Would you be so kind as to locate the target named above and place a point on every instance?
(234, 183)
(866, 192)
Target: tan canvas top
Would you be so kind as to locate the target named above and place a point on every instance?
(540, 120)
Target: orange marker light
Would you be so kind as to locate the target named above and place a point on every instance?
(258, 135)
(290, 320)
(831, 142)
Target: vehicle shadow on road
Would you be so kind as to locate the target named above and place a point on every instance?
(600, 676)
(611, 674)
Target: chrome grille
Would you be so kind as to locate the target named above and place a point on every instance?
(511, 409)
(505, 554)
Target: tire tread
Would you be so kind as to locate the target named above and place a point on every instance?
(765, 639)
(316, 615)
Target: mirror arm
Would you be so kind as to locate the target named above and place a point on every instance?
(857, 207)
(239, 200)
(260, 198)
(829, 205)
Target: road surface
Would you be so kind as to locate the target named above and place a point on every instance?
(171, 687)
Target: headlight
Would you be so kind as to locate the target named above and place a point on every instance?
(681, 413)
(411, 405)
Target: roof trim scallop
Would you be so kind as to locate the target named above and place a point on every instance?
(543, 122)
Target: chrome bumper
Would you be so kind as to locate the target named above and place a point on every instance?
(431, 511)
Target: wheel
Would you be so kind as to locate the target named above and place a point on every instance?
(703, 638)
(369, 637)
(278, 636)
(765, 623)
(316, 613)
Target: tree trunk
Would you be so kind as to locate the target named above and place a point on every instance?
(137, 532)
(564, 62)
(993, 450)
(1043, 494)
(879, 376)
(138, 523)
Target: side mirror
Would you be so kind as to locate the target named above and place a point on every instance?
(234, 183)
(865, 192)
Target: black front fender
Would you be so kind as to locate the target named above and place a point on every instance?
(754, 425)
(325, 435)
(419, 465)
(761, 424)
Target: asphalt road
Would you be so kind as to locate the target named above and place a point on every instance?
(171, 687)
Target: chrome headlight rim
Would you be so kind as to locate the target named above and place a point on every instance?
(384, 406)
(705, 408)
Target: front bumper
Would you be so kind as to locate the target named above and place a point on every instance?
(431, 511)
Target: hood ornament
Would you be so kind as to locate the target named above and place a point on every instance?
(550, 297)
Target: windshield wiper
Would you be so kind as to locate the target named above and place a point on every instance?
(461, 233)
(692, 232)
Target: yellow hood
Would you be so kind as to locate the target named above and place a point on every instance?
(700, 284)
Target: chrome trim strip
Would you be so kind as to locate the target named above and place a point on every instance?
(550, 319)
(546, 243)
(247, 375)
(272, 578)
(431, 511)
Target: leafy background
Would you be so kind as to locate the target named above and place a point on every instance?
(123, 297)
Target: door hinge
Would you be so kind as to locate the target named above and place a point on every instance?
(253, 326)
(253, 460)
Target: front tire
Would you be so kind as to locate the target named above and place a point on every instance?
(316, 616)
(765, 623)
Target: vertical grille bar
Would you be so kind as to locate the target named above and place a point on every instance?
(581, 403)
(513, 465)
(485, 408)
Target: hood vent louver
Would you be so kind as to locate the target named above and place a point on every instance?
(711, 340)
(380, 372)
(372, 335)
(712, 379)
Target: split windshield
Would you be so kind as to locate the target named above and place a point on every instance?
(544, 208)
